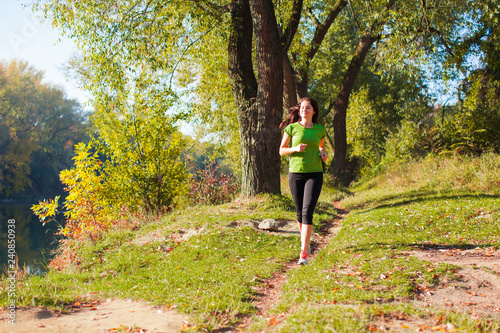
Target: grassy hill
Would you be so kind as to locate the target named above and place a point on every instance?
(368, 271)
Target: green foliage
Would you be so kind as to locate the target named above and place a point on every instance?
(473, 128)
(38, 127)
(401, 146)
(387, 116)
(130, 53)
(138, 168)
(206, 83)
(143, 148)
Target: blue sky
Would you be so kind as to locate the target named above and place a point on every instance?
(23, 36)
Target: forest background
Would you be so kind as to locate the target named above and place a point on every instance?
(231, 68)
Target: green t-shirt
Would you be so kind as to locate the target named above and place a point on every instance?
(308, 160)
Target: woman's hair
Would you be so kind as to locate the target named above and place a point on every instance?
(293, 112)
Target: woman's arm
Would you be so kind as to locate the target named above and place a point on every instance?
(285, 150)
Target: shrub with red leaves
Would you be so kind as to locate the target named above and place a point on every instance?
(210, 187)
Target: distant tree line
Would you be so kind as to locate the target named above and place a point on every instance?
(39, 126)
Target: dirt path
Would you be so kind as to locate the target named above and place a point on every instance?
(113, 315)
(269, 290)
(476, 289)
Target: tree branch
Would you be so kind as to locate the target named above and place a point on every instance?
(184, 52)
(314, 18)
(293, 23)
(211, 8)
(354, 14)
(322, 29)
(449, 50)
(370, 6)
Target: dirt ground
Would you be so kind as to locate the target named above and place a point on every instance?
(112, 315)
(475, 290)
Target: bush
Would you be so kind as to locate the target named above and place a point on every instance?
(87, 208)
(210, 187)
(104, 184)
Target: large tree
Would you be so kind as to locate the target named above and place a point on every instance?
(255, 42)
(121, 40)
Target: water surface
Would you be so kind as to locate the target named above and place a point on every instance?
(34, 242)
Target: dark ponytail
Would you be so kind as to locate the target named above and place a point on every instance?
(293, 113)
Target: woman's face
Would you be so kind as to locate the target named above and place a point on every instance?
(306, 110)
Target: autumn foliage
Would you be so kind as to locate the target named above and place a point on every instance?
(87, 209)
(211, 187)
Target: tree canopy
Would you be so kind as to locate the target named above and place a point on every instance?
(235, 64)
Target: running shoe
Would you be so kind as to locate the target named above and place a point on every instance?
(303, 258)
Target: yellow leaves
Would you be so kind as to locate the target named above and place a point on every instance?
(85, 206)
(124, 328)
(46, 210)
(433, 329)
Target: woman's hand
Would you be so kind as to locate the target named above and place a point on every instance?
(301, 147)
(323, 155)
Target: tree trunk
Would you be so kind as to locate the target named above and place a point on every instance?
(302, 80)
(259, 101)
(289, 89)
(262, 124)
(340, 108)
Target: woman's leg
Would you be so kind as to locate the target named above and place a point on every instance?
(297, 183)
(312, 190)
(305, 237)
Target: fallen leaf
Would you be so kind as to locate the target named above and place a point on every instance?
(272, 321)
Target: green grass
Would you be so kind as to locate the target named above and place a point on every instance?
(368, 261)
(366, 269)
(368, 264)
(210, 275)
(365, 318)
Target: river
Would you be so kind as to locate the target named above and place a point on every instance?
(33, 241)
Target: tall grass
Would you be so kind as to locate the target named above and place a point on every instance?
(432, 175)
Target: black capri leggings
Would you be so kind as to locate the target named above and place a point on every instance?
(305, 188)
